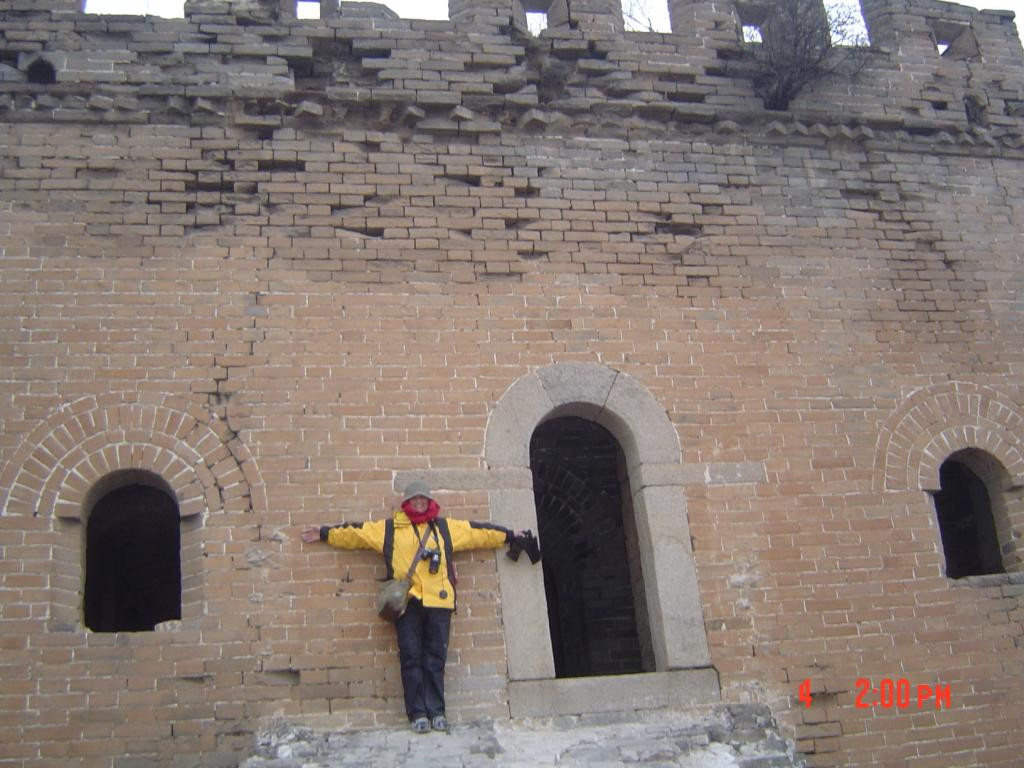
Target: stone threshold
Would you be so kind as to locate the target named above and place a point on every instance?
(679, 688)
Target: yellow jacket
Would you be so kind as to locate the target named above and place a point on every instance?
(401, 538)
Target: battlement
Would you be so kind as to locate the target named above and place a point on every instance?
(935, 72)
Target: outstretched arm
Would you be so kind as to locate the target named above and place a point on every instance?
(475, 535)
(348, 535)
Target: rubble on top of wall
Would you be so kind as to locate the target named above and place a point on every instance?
(935, 72)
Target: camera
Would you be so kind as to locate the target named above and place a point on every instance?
(434, 556)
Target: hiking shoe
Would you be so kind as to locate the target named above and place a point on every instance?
(439, 723)
(421, 725)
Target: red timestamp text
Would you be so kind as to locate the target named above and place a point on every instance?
(891, 694)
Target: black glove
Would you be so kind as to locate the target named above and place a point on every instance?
(526, 543)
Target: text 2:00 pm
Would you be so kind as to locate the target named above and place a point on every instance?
(891, 694)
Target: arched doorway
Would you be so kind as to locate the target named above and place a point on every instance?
(132, 560)
(653, 496)
(592, 574)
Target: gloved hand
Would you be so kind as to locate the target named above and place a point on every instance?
(524, 541)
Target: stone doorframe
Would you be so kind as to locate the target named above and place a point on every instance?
(657, 478)
(650, 444)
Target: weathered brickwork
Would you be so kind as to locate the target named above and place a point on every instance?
(280, 266)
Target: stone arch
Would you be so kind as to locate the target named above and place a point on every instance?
(936, 421)
(651, 447)
(975, 424)
(614, 400)
(93, 445)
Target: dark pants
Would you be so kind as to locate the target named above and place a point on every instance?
(422, 652)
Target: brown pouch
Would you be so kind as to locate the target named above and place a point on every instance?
(392, 599)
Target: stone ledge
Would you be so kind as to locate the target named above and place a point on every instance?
(713, 473)
(466, 479)
(733, 473)
(724, 736)
(989, 580)
(647, 475)
(589, 695)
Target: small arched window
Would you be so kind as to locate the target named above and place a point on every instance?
(132, 560)
(41, 72)
(966, 522)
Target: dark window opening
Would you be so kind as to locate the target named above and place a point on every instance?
(41, 72)
(132, 561)
(966, 524)
(592, 576)
(976, 110)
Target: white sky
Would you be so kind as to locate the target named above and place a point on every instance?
(438, 9)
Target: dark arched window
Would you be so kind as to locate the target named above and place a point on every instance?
(41, 72)
(966, 524)
(592, 577)
(132, 560)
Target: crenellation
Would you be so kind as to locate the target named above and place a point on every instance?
(299, 64)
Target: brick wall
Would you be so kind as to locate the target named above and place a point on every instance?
(274, 263)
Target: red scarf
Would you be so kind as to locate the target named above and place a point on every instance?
(432, 511)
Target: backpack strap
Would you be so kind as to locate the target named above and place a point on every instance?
(389, 547)
(419, 551)
(449, 550)
(446, 537)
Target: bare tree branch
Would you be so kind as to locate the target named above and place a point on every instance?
(803, 42)
(636, 16)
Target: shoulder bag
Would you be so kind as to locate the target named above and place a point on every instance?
(393, 596)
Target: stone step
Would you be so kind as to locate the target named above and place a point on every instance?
(733, 736)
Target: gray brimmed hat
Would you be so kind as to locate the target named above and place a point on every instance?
(417, 488)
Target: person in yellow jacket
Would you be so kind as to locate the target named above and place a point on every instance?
(424, 628)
